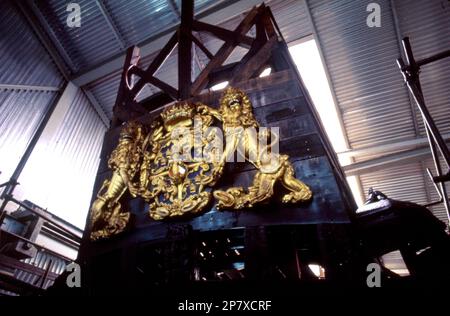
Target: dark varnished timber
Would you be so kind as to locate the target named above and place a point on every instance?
(273, 234)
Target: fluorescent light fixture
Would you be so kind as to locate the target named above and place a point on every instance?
(219, 86)
(309, 64)
(265, 72)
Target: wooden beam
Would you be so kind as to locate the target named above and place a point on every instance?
(185, 50)
(224, 51)
(147, 78)
(267, 22)
(156, 63)
(261, 39)
(163, 86)
(219, 13)
(256, 62)
(201, 46)
(131, 58)
(224, 34)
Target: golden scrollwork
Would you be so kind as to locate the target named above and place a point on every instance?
(107, 216)
(176, 186)
(166, 168)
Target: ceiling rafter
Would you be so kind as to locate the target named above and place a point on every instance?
(109, 20)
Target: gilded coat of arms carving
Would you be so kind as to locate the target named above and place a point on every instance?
(175, 163)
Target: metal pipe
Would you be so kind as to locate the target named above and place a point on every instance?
(411, 77)
(437, 165)
(433, 58)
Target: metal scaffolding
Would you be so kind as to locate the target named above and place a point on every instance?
(410, 70)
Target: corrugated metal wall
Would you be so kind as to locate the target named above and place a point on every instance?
(23, 61)
(44, 261)
(362, 66)
(410, 174)
(371, 95)
(60, 175)
(427, 24)
(20, 114)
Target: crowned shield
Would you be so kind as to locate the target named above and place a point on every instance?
(176, 177)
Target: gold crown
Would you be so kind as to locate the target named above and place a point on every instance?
(180, 111)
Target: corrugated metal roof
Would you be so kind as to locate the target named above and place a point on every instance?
(95, 41)
(20, 114)
(87, 45)
(23, 60)
(361, 62)
(291, 18)
(137, 20)
(427, 24)
(67, 164)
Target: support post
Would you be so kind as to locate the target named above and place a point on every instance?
(185, 50)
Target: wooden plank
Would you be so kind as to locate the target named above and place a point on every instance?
(275, 83)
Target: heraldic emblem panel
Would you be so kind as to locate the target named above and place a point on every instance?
(175, 163)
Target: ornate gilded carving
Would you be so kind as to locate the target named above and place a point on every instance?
(178, 185)
(176, 165)
(236, 113)
(107, 216)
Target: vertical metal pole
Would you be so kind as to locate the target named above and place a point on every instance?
(411, 77)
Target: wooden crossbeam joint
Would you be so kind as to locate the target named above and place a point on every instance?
(257, 56)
